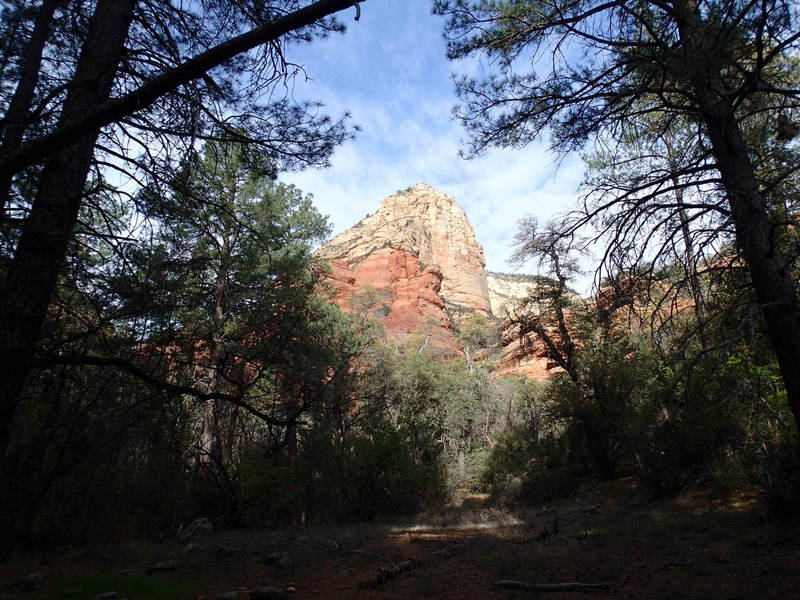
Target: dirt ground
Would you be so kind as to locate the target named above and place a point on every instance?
(692, 546)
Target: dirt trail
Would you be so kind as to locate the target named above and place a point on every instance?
(690, 547)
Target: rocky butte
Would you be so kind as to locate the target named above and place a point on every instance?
(416, 266)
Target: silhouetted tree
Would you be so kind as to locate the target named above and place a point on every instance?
(149, 77)
(553, 322)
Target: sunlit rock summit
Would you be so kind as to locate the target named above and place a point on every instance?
(418, 253)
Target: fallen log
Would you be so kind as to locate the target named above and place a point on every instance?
(399, 568)
(524, 586)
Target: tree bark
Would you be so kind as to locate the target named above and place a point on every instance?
(26, 291)
(14, 121)
(31, 279)
(217, 366)
(755, 232)
(756, 239)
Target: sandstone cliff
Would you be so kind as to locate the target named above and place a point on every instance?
(416, 266)
(426, 223)
(505, 289)
(415, 260)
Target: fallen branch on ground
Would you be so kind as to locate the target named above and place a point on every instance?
(510, 584)
(399, 568)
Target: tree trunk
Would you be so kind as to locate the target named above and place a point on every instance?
(691, 269)
(216, 368)
(758, 243)
(598, 450)
(755, 232)
(20, 105)
(26, 292)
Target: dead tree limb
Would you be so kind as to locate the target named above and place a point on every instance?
(510, 584)
(400, 568)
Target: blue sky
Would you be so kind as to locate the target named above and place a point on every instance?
(389, 70)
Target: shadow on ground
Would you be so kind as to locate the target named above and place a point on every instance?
(688, 547)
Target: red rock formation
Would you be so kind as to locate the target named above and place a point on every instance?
(533, 363)
(341, 281)
(431, 226)
(416, 266)
(416, 294)
(392, 285)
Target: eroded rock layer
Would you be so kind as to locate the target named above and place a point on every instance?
(416, 266)
(505, 289)
(430, 225)
(416, 259)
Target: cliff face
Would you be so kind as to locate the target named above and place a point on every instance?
(425, 223)
(505, 289)
(415, 260)
(416, 266)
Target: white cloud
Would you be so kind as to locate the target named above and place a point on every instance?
(395, 151)
(391, 74)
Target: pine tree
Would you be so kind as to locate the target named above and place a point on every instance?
(597, 67)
